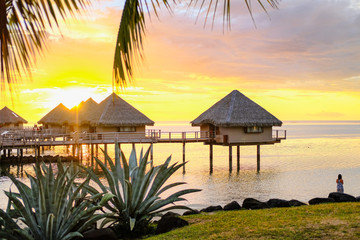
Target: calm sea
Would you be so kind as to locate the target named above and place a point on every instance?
(303, 166)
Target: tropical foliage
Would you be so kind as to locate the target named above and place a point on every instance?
(53, 207)
(23, 30)
(136, 186)
(23, 33)
(133, 23)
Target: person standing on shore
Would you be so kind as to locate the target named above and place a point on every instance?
(340, 184)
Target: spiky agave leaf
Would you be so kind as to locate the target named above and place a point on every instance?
(137, 187)
(54, 207)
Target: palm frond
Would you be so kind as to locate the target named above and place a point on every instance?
(129, 43)
(23, 32)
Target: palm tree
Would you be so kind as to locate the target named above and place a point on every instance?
(23, 33)
(132, 28)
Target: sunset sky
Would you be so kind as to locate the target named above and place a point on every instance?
(302, 63)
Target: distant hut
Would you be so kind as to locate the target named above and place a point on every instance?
(116, 115)
(10, 120)
(237, 120)
(113, 114)
(58, 120)
(85, 115)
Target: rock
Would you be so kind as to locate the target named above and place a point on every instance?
(167, 223)
(212, 209)
(277, 203)
(191, 212)
(100, 234)
(251, 203)
(170, 214)
(321, 200)
(234, 205)
(296, 203)
(342, 197)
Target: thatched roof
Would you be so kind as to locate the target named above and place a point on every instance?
(86, 112)
(8, 116)
(114, 111)
(59, 115)
(236, 110)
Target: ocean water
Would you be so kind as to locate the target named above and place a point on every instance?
(303, 166)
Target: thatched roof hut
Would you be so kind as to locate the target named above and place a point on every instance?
(8, 116)
(236, 110)
(58, 116)
(114, 111)
(86, 112)
(109, 115)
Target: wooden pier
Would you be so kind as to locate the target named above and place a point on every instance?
(37, 140)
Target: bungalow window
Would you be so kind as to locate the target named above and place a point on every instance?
(126, 129)
(253, 129)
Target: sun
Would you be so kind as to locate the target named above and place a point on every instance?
(73, 96)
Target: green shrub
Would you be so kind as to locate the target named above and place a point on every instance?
(53, 207)
(137, 190)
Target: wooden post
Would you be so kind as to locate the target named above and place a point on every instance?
(184, 157)
(238, 158)
(73, 150)
(81, 153)
(78, 152)
(258, 158)
(92, 155)
(230, 158)
(133, 146)
(211, 158)
(21, 152)
(97, 150)
(105, 150)
(152, 154)
(9, 152)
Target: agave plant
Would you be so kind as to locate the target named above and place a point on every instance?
(137, 187)
(54, 206)
(8, 227)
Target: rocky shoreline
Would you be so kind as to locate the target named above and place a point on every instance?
(170, 220)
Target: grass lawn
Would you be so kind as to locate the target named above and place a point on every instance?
(326, 221)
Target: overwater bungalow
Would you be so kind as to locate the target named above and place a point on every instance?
(58, 120)
(10, 120)
(85, 116)
(237, 120)
(116, 115)
(113, 114)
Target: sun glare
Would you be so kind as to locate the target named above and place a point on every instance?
(73, 96)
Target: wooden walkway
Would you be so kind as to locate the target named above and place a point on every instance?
(35, 139)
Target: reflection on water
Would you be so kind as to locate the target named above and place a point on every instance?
(302, 167)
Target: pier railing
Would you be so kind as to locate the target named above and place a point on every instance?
(279, 134)
(28, 138)
(164, 136)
